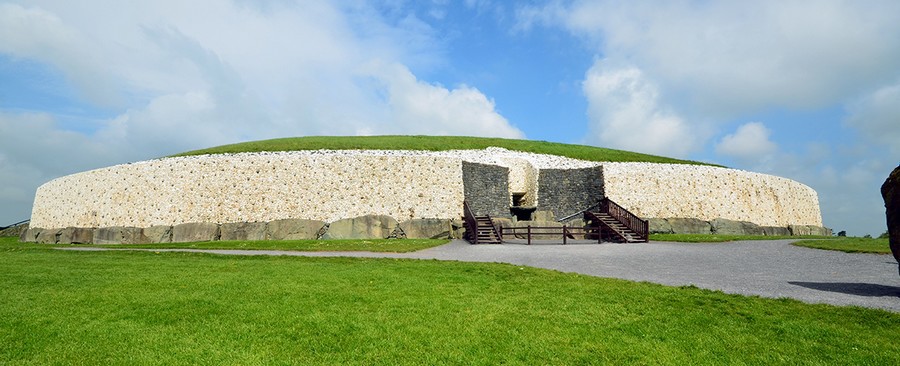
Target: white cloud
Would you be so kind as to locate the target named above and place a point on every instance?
(877, 115)
(625, 112)
(182, 75)
(733, 57)
(749, 144)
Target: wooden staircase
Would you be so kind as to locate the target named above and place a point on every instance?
(485, 231)
(480, 229)
(615, 223)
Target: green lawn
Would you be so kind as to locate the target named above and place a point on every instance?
(849, 245)
(61, 307)
(380, 245)
(436, 143)
(713, 238)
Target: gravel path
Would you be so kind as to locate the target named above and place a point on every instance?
(770, 268)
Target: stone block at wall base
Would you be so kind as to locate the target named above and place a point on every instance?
(158, 234)
(798, 230)
(362, 227)
(294, 229)
(457, 229)
(730, 227)
(75, 235)
(775, 231)
(195, 231)
(660, 226)
(689, 226)
(243, 231)
(29, 235)
(47, 236)
(426, 228)
(119, 235)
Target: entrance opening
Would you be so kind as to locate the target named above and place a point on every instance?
(517, 199)
(522, 213)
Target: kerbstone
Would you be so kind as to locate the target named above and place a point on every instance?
(426, 228)
(660, 226)
(75, 235)
(362, 227)
(243, 231)
(47, 236)
(689, 226)
(158, 234)
(775, 231)
(196, 231)
(294, 229)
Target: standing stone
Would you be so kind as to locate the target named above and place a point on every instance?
(195, 231)
(890, 191)
(362, 227)
(244, 231)
(294, 229)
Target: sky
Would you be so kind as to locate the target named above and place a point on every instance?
(807, 90)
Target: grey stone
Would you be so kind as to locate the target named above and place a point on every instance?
(30, 235)
(426, 228)
(689, 226)
(120, 235)
(75, 235)
(195, 231)
(486, 188)
(294, 229)
(660, 226)
(568, 191)
(726, 227)
(775, 231)
(158, 234)
(47, 236)
(362, 227)
(543, 215)
(457, 229)
(243, 231)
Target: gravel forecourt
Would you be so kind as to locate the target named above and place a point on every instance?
(767, 268)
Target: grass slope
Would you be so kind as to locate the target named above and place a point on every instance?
(177, 308)
(849, 245)
(716, 238)
(437, 143)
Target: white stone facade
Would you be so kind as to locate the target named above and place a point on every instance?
(333, 185)
(671, 190)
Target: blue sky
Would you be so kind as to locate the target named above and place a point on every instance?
(808, 90)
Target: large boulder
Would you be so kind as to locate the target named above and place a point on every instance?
(689, 226)
(426, 228)
(243, 231)
(158, 234)
(47, 236)
(730, 227)
(195, 231)
(75, 235)
(775, 231)
(890, 191)
(294, 229)
(119, 235)
(362, 227)
(660, 226)
(30, 235)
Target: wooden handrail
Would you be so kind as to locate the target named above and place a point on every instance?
(630, 220)
(471, 225)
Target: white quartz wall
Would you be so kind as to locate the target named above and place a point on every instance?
(253, 187)
(703, 192)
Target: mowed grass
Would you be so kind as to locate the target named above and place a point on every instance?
(714, 238)
(436, 143)
(849, 245)
(60, 307)
(379, 245)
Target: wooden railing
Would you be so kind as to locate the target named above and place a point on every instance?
(630, 220)
(471, 225)
(530, 232)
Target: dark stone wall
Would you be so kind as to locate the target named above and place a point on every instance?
(486, 188)
(568, 191)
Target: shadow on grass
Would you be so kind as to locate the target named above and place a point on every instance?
(850, 288)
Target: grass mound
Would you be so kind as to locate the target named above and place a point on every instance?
(849, 245)
(437, 143)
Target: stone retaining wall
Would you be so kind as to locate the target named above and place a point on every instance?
(668, 190)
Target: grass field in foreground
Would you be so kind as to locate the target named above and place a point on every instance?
(714, 238)
(374, 245)
(849, 245)
(436, 143)
(60, 307)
